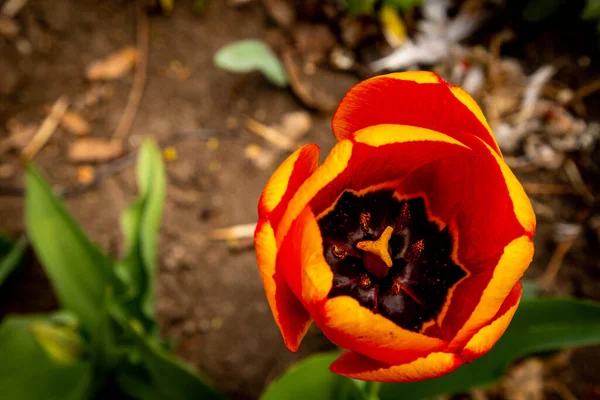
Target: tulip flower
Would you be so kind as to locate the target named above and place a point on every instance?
(406, 246)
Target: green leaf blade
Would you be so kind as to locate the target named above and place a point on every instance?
(539, 325)
(176, 380)
(12, 259)
(140, 223)
(78, 270)
(403, 5)
(26, 373)
(591, 9)
(311, 379)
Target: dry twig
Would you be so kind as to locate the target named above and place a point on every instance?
(235, 232)
(271, 135)
(574, 176)
(560, 389)
(556, 261)
(47, 128)
(139, 80)
(584, 91)
(547, 188)
(115, 166)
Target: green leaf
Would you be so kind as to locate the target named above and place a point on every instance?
(78, 270)
(5, 244)
(26, 373)
(140, 223)
(173, 379)
(591, 10)
(539, 10)
(135, 385)
(10, 260)
(62, 344)
(108, 344)
(538, 326)
(403, 4)
(252, 55)
(311, 379)
(360, 7)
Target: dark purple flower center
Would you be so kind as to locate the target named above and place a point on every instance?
(389, 256)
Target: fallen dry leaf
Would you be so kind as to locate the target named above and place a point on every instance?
(18, 136)
(242, 231)
(262, 159)
(282, 11)
(272, 135)
(8, 27)
(46, 129)
(74, 123)
(12, 7)
(296, 124)
(94, 150)
(114, 66)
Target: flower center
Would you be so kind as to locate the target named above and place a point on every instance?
(390, 257)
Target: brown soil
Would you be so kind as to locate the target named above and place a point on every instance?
(209, 297)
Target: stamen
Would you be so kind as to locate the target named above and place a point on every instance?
(338, 253)
(403, 271)
(364, 281)
(415, 251)
(396, 288)
(365, 221)
(404, 218)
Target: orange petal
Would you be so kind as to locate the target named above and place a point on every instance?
(420, 99)
(487, 336)
(353, 327)
(289, 313)
(285, 181)
(334, 164)
(514, 261)
(485, 208)
(434, 365)
(301, 257)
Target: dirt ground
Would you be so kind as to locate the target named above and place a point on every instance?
(208, 297)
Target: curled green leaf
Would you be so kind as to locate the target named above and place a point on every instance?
(252, 55)
(61, 343)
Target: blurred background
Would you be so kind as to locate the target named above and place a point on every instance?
(228, 88)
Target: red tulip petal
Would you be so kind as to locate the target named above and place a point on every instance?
(289, 313)
(351, 326)
(285, 182)
(383, 155)
(291, 317)
(515, 259)
(434, 365)
(485, 208)
(420, 99)
(334, 164)
(487, 336)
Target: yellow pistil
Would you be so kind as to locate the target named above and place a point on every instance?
(379, 247)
